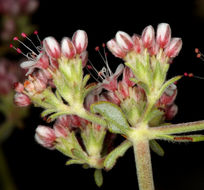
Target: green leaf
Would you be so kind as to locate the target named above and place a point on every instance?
(79, 154)
(156, 148)
(98, 176)
(114, 116)
(167, 83)
(85, 80)
(88, 89)
(56, 115)
(115, 154)
(72, 161)
(47, 112)
(157, 76)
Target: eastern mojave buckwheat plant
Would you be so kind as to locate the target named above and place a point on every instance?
(88, 117)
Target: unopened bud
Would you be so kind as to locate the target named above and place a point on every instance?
(163, 35)
(21, 100)
(115, 49)
(45, 136)
(80, 40)
(68, 49)
(52, 47)
(174, 47)
(124, 41)
(148, 37)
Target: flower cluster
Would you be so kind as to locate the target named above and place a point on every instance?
(89, 116)
(124, 44)
(42, 66)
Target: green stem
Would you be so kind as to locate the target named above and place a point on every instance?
(5, 177)
(178, 128)
(92, 117)
(143, 164)
(144, 118)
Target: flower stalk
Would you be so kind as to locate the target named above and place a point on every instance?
(143, 164)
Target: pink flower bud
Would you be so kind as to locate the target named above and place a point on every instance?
(52, 47)
(90, 99)
(63, 121)
(42, 62)
(123, 89)
(80, 40)
(40, 76)
(148, 37)
(115, 49)
(111, 82)
(153, 50)
(21, 100)
(39, 85)
(29, 86)
(60, 131)
(171, 111)
(45, 136)
(18, 87)
(137, 43)
(127, 74)
(174, 47)
(84, 58)
(124, 41)
(163, 35)
(112, 97)
(67, 47)
(169, 95)
(47, 74)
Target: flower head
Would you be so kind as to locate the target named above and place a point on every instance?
(124, 44)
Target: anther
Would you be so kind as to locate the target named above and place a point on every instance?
(190, 75)
(35, 32)
(89, 67)
(15, 38)
(23, 35)
(197, 50)
(18, 50)
(198, 55)
(97, 48)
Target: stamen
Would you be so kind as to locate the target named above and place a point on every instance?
(108, 71)
(199, 54)
(92, 74)
(16, 39)
(105, 54)
(103, 72)
(36, 33)
(94, 69)
(25, 36)
(19, 51)
(190, 75)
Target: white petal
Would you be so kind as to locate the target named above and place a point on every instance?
(27, 64)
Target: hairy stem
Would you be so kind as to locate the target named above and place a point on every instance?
(178, 128)
(143, 164)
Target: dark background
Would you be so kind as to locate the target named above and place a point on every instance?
(182, 167)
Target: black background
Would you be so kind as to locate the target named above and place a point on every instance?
(34, 167)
